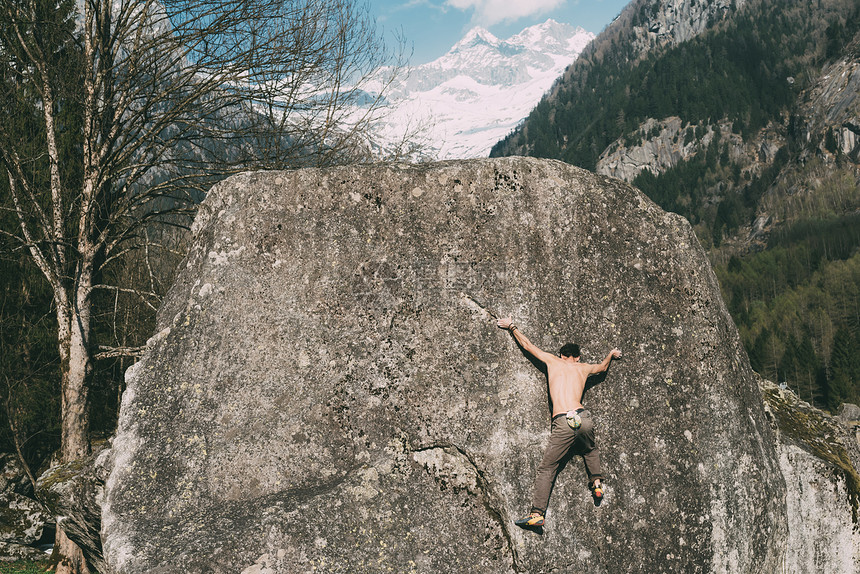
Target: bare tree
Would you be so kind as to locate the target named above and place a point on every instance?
(121, 113)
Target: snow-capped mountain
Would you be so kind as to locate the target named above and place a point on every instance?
(474, 95)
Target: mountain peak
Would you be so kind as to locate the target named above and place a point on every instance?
(547, 35)
(548, 27)
(475, 36)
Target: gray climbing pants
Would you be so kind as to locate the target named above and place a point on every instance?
(564, 440)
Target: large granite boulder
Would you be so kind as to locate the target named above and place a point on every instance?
(328, 392)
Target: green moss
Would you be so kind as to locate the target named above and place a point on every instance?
(63, 473)
(67, 472)
(812, 431)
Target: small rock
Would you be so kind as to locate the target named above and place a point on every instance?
(10, 552)
(849, 413)
(22, 519)
(12, 476)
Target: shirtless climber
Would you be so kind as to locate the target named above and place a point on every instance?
(572, 427)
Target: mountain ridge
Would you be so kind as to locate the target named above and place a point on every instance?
(481, 88)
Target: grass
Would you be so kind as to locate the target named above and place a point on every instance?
(24, 567)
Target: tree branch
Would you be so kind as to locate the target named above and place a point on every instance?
(114, 352)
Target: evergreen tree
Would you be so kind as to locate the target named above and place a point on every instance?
(845, 367)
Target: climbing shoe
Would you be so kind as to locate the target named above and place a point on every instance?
(533, 520)
(597, 489)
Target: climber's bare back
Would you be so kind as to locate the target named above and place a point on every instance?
(567, 378)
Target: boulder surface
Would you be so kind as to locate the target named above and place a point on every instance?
(328, 391)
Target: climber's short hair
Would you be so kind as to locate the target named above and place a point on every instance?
(570, 350)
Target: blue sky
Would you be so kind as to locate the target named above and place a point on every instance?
(432, 26)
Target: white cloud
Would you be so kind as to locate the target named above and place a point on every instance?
(489, 12)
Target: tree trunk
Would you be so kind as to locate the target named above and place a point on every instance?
(75, 372)
(73, 318)
(72, 560)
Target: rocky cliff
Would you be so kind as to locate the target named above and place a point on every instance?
(328, 392)
(658, 146)
(827, 121)
(673, 22)
(818, 458)
(831, 108)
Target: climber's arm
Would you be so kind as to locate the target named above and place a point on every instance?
(603, 365)
(508, 324)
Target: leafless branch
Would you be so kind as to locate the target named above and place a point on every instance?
(144, 296)
(12, 420)
(114, 352)
(119, 115)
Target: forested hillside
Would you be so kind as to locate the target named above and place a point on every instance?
(750, 130)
